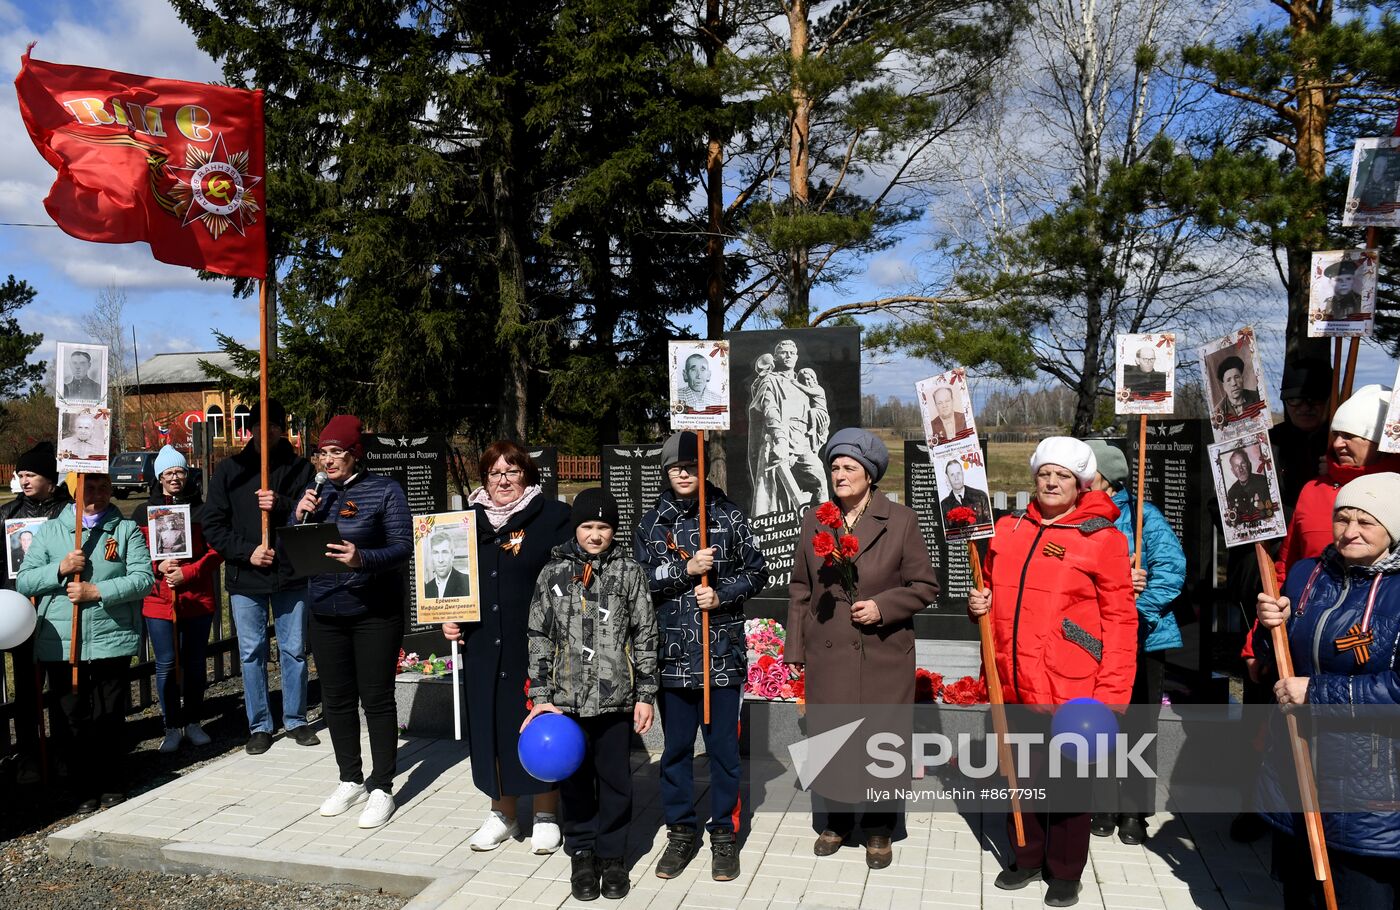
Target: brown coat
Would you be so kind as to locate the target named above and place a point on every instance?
(849, 664)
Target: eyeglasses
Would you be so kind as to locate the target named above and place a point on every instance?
(502, 476)
(333, 453)
(679, 469)
(174, 473)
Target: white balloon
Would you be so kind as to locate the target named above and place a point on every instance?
(17, 619)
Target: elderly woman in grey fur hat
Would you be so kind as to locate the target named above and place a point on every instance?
(858, 650)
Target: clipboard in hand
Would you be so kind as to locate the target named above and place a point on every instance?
(304, 548)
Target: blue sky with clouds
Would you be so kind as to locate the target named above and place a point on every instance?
(171, 309)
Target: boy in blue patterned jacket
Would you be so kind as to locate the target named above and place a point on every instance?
(684, 581)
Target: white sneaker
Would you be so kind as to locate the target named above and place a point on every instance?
(379, 809)
(345, 796)
(196, 735)
(545, 837)
(172, 740)
(494, 832)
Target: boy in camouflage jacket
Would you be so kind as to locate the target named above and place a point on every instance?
(592, 644)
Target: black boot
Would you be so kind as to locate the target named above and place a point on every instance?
(1015, 878)
(615, 883)
(584, 879)
(682, 843)
(1101, 824)
(724, 855)
(1062, 892)
(1132, 830)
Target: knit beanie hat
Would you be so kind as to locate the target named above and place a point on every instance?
(1069, 453)
(862, 445)
(594, 504)
(1113, 464)
(169, 457)
(1363, 414)
(40, 460)
(680, 448)
(344, 431)
(1379, 496)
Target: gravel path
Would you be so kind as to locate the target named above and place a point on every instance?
(30, 880)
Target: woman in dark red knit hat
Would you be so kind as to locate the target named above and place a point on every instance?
(356, 622)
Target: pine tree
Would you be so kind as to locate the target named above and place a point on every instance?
(17, 374)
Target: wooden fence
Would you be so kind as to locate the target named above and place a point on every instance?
(580, 467)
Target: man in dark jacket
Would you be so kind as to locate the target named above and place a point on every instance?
(41, 496)
(257, 580)
(686, 580)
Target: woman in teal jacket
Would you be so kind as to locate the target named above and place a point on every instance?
(1157, 584)
(114, 569)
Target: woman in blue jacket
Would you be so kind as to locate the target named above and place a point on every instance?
(356, 622)
(1157, 584)
(1344, 637)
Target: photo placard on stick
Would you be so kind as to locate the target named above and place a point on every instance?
(1375, 183)
(1246, 487)
(964, 502)
(170, 532)
(1235, 388)
(1145, 373)
(699, 382)
(82, 374)
(1390, 437)
(19, 534)
(84, 438)
(445, 565)
(946, 406)
(1342, 293)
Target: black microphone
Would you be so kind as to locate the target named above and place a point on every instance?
(321, 479)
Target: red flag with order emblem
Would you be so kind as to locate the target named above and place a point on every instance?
(178, 165)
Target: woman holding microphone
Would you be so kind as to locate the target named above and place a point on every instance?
(356, 624)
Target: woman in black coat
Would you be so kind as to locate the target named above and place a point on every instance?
(517, 527)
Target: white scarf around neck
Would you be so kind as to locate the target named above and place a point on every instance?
(499, 515)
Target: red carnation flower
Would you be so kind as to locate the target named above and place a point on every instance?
(823, 544)
(850, 546)
(962, 517)
(766, 661)
(966, 691)
(928, 685)
(829, 514)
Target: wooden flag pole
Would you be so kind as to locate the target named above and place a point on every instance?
(74, 649)
(705, 579)
(262, 407)
(994, 695)
(1302, 762)
(1141, 481)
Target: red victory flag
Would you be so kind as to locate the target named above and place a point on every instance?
(178, 165)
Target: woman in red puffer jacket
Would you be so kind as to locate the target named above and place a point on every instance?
(180, 606)
(1064, 626)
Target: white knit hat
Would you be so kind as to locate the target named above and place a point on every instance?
(1363, 414)
(1377, 495)
(1069, 453)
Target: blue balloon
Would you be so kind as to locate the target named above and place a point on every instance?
(1087, 717)
(551, 747)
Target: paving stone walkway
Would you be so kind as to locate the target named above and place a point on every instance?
(257, 816)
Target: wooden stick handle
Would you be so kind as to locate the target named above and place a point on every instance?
(1350, 376)
(1141, 481)
(705, 579)
(1302, 761)
(995, 696)
(265, 476)
(74, 648)
(1336, 377)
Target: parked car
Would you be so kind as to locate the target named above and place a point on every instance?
(132, 472)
